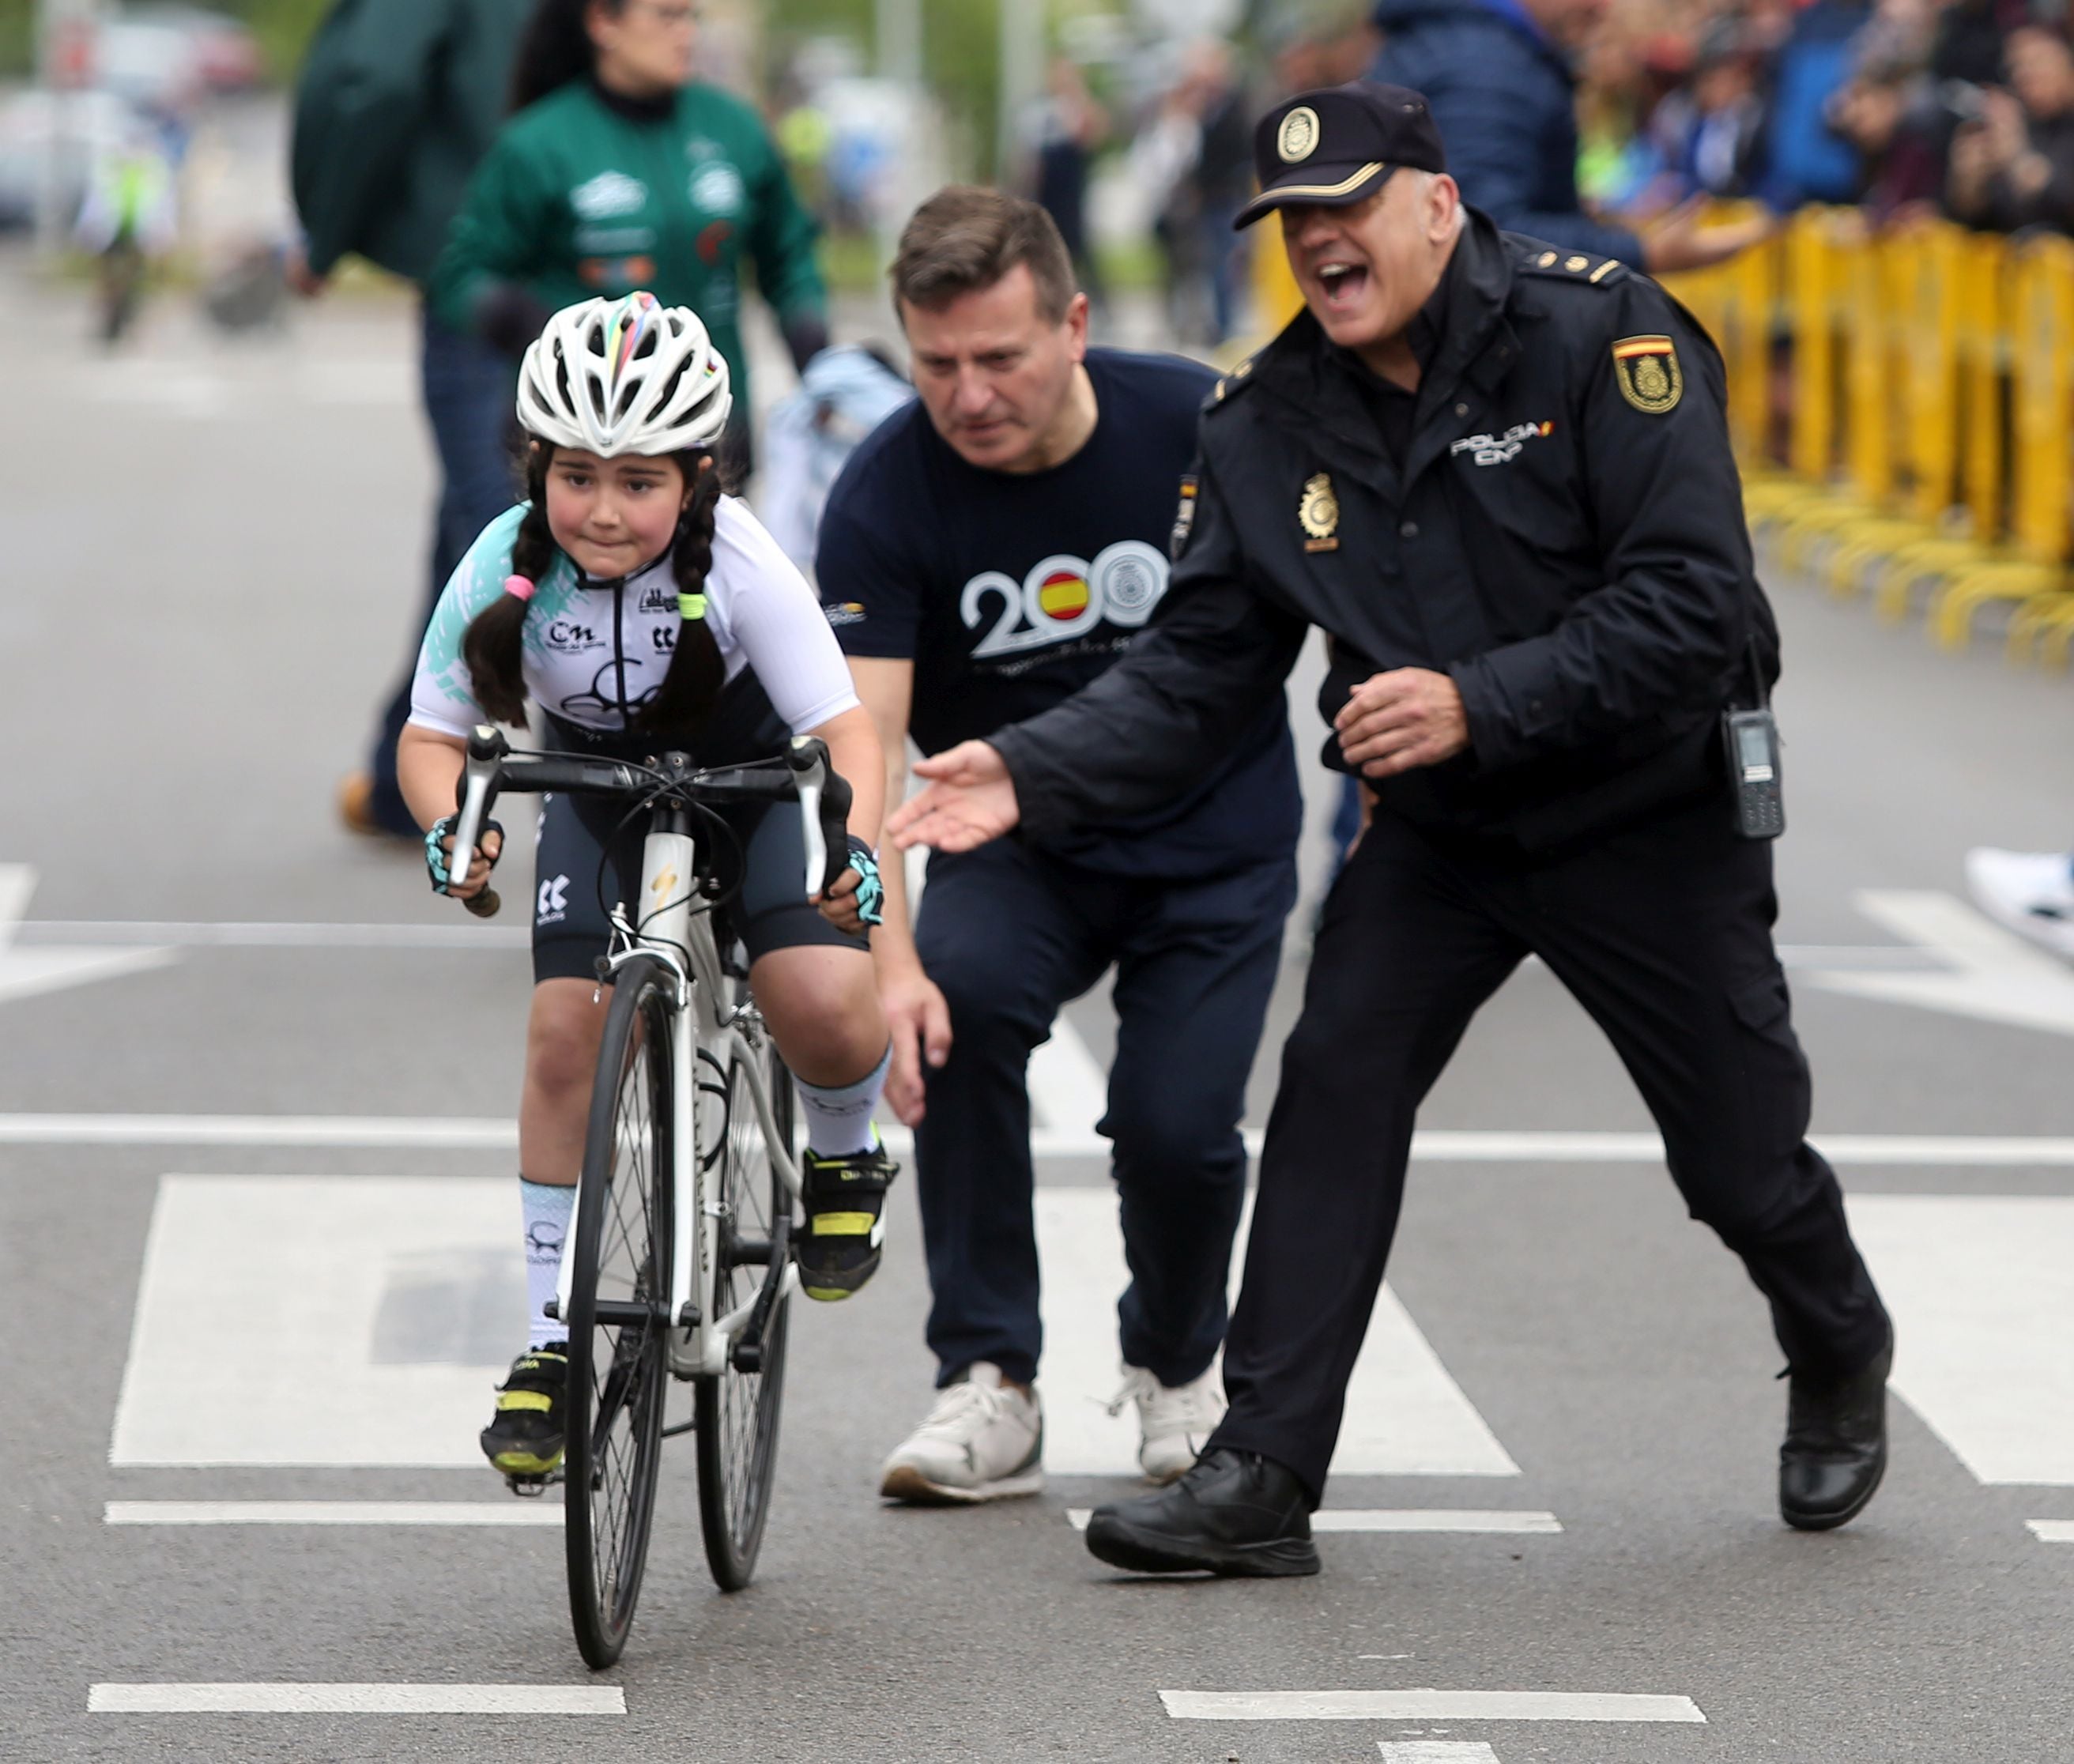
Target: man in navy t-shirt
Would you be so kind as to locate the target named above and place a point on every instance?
(989, 551)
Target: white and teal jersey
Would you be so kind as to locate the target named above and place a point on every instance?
(595, 652)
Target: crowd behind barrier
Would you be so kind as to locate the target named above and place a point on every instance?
(1902, 401)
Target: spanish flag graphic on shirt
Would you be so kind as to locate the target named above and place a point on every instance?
(1062, 595)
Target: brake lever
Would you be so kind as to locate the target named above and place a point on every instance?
(808, 758)
(486, 749)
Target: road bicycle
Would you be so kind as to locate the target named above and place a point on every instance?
(680, 1263)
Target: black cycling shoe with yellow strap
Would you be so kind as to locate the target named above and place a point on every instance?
(525, 1438)
(838, 1247)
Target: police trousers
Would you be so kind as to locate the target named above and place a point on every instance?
(1663, 934)
(1009, 934)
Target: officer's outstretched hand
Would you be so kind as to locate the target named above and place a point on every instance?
(1394, 722)
(971, 800)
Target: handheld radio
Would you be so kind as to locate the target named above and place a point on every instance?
(1751, 738)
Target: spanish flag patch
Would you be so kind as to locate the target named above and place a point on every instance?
(1646, 368)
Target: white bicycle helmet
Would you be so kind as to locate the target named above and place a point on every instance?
(626, 376)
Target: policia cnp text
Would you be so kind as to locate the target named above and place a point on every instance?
(1498, 476)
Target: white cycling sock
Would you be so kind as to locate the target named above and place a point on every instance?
(546, 1209)
(839, 1120)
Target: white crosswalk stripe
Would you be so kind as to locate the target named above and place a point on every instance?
(1428, 1705)
(1405, 1415)
(1983, 1304)
(1435, 1521)
(283, 1699)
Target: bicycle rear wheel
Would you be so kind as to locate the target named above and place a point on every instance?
(620, 1291)
(737, 1408)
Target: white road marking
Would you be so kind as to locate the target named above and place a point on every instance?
(375, 1133)
(266, 1304)
(1992, 975)
(1405, 1415)
(1505, 1521)
(1068, 1089)
(2052, 1530)
(441, 1132)
(1983, 1304)
(25, 972)
(1426, 1705)
(515, 1512)
(315, 934)
(1436, 1752)
(273, 1699)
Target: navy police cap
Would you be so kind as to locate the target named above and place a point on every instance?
(1338, 146)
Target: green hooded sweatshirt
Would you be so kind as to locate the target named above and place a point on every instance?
(581, 197)
(397, 102)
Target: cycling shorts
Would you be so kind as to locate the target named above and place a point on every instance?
(577, 881)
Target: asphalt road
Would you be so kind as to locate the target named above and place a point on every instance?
(212, 556)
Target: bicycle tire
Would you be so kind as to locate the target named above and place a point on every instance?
(737, 1409)
(618, 1371)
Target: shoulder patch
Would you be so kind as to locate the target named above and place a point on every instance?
(1645, 369)
(1572, 266)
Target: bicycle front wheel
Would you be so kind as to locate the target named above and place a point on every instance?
(620, 1291)
(738, 1407)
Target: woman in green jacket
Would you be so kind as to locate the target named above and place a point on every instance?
(620, 172)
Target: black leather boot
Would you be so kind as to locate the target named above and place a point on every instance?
(1835, 1452)
(1235, 1512)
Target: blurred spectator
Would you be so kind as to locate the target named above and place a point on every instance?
(397, 101)
(1499, 74)
(1615, 157)
(129, 217)
(844, 395)
(1221, 180)
(1969, 45)
(2014, 167)
(621, 172)
(1193, 161)
(1712, 131)
(1066, 127)
(1886, 114)
(1806, 160)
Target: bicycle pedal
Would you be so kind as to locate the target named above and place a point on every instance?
(532, 1487)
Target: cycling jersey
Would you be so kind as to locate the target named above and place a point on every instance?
(595, 652)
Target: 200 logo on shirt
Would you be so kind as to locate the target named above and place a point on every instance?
(1064, 596)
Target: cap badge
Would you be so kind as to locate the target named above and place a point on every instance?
(1319, 515)
(1298, 138)
(1645, 369)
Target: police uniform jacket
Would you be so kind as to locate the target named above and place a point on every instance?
(1563, 533)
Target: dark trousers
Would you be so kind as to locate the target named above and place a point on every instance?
(1010, 936)
(468, 393)
(1663, 934)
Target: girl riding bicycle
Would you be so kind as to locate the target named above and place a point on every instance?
(643, 609)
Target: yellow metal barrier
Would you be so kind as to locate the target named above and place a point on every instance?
(2040, 366)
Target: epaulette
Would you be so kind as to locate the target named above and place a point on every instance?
(1572, 266)
(1232, 382)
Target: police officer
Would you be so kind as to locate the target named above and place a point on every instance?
(1497, 474)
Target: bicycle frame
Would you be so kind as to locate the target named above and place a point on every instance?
(701, 1022)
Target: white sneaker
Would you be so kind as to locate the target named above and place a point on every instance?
(983, 1441)
(2030, 892)
(1175, 1422)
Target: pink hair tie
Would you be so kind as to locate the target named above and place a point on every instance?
(522, 586)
